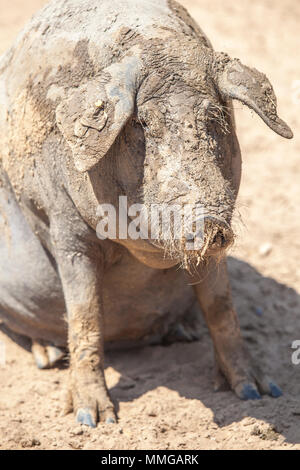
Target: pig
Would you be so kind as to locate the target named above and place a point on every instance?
(110, 98)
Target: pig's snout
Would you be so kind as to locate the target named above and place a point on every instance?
(215, 235)
(224, 236)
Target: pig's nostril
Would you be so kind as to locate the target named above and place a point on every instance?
(216, 234)
(219, 238)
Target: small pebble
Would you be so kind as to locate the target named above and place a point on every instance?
(265, 249)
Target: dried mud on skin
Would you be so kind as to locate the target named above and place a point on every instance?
(165, 395)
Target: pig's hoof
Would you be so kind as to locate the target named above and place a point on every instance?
(250, 387)
(87, 417)
(46, 356)
(251, 391)
(275, 391)
(92, 414)
(247, 392)
(84, 416)
(88, 398)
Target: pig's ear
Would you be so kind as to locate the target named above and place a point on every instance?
(251, 87)
(92, 115)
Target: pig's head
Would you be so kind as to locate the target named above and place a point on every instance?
(180, 96)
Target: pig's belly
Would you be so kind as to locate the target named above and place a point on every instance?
(139, 301)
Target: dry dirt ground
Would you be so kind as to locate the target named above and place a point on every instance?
(164, 394)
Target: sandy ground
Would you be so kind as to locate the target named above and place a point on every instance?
(164, 394)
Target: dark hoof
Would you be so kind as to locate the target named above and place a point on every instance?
(84, 417)
(275, 391)
(249, 392)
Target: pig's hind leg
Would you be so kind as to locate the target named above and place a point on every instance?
(31, 297)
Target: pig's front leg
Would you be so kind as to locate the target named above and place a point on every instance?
(80, 264)
(233, 361)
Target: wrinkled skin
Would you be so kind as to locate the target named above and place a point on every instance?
(98, 101)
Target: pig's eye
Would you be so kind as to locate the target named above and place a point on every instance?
(143, 122)
(138, 121)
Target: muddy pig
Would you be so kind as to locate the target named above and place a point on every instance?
(105, 104)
